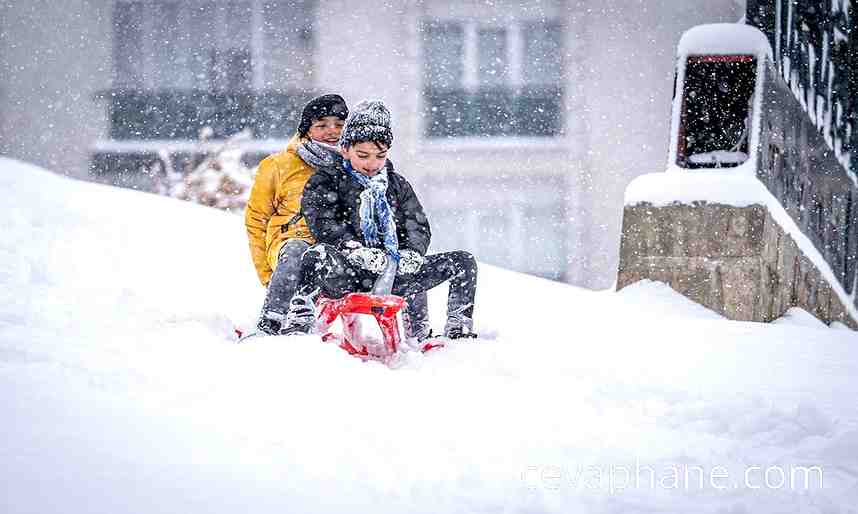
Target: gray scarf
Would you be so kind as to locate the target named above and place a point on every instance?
(318, 155)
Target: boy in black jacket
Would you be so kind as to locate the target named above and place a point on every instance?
(363, 213)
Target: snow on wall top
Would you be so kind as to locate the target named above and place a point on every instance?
(723, 186)
(724, 39)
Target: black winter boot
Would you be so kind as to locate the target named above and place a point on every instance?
(415, 318)
(270, 323)
(459, 333)
(301, 316)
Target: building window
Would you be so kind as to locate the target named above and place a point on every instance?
(219, 50)
(483, 80)
(213, 44)
(180, 66)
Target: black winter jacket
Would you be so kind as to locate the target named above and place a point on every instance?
(330, 206)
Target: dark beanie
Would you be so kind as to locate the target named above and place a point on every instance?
(369, 121)
(318, 108)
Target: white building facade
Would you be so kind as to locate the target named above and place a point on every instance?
(519, 122)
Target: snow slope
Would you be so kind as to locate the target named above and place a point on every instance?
(121, 391)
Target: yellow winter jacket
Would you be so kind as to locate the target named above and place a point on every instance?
(273, 213)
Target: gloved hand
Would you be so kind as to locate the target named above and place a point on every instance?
(409, 262)
(370, 259)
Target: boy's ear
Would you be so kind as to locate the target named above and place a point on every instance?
(343, 153)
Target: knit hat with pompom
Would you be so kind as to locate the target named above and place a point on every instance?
(368, 121)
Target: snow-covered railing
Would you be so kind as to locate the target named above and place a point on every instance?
(815, 46)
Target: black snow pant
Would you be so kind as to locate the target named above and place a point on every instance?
(327, 270)
(287, 277)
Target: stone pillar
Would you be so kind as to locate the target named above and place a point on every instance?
(736, 261)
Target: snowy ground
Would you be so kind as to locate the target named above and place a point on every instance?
(121, 391)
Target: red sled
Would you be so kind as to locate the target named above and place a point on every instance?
(350, 309)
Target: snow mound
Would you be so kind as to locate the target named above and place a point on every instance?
(123, 391)
(799, 318)
(663, 301)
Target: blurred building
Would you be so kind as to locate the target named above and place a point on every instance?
(519, 122)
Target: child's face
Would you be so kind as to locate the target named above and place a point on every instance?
(326, 130)
(366, 158)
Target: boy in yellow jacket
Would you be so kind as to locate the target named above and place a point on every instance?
(276, 230)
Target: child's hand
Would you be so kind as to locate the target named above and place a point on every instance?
(370, 259)
(410, 262)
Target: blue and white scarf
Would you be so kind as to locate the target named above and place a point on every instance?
(376, 218)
